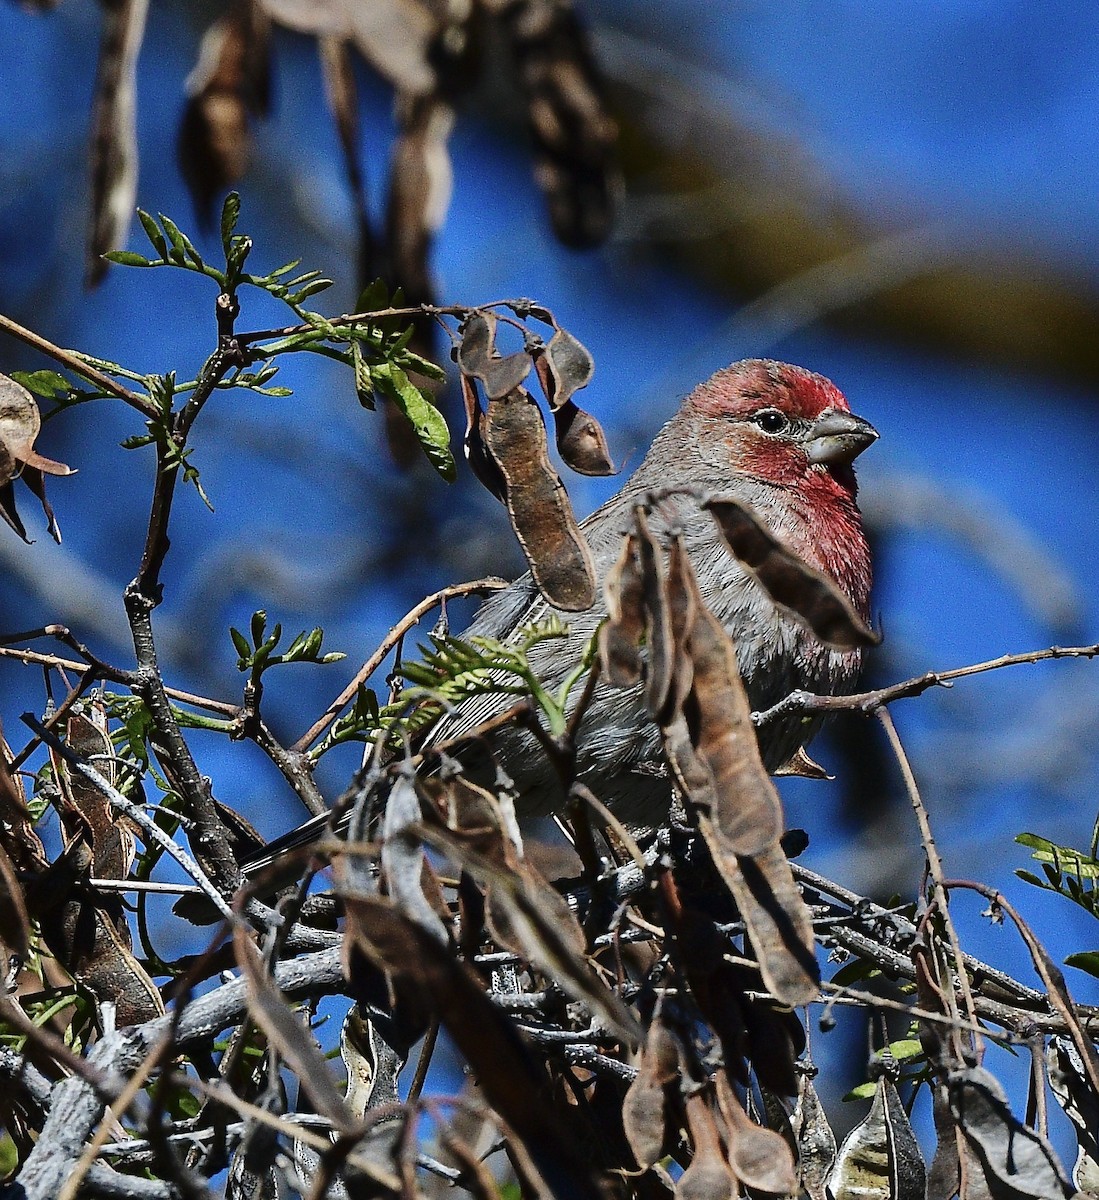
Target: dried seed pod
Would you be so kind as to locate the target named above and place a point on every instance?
(811, 595)
(620, 638)
(537, 503)
(581, 441)
(569, 364)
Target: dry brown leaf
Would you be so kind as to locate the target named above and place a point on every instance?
(743, 804)
(20, 423)
(403, 858)
(581, 441)
(803, 767)
(1017, 1161)
(658, 628)
(87, 933)
(480, 461)
(570, 366)
(538, 505)
(810, 595)
(420, 181)
(229, 85)
(114, 134)
(620, 637)
(530, 917)
(479, 358)
(815, 1140)
(341, 93)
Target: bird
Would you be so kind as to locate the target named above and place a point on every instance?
(782, 440)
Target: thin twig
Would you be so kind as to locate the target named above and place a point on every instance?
(77, 365)
(870, 702)
(488, 584)
(934, 862)
(136, 814)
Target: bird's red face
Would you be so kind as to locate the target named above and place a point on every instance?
(782, 424)
(788, 427)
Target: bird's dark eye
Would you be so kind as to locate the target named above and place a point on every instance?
(770, 420)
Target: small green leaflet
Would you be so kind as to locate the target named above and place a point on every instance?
(429, 424)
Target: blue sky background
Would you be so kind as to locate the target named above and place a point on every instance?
(975, 117)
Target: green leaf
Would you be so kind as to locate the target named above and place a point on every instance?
(310, 289)
(427, 421)
(1086, 960)
(1066, 858)
(285, 269)
(48, 384)
(258, 626)
(906, 1049)
(865, 1091)
(373, 297)
(178, 253)
(152, 232)
(230, 212)
(240, 642)
(127, 258)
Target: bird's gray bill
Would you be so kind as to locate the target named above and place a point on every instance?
(838, 438)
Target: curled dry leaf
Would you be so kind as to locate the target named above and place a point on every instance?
(1017, 1160)
(645, 1106)
(815, 1140)
(229, 84)
(806, 592)
(403, 856)
(1069, 1083)
(20, 423)
(114, 135)
(480, 461)
(530, 917)
(479, 359)
(570, 367)
(621, 635)
(880, 1158)
(803, 767)
(85, 811)
(581, 441)
(658, 629)
(759, 1157)
(87, 933)
(715, 759)
(537, 503)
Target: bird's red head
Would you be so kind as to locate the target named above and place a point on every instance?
(794, 430)
(782, 424)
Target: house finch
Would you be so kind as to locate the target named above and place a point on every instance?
(774, 436)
